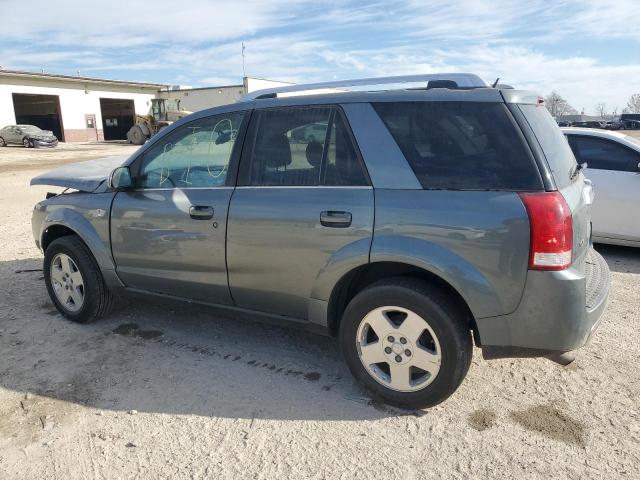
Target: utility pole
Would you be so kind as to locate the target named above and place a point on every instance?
(244, 73)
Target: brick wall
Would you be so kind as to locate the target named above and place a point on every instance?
(80, 135)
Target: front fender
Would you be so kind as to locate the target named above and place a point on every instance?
(84, 229)
(463, 276)
(90, 222)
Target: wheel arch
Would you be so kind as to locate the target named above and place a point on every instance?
(362, 276)
(53, 232)
(63, 222)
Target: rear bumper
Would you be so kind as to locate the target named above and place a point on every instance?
(558, 312)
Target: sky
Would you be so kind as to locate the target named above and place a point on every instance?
(586, 50)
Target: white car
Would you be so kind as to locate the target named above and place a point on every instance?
(613, 165)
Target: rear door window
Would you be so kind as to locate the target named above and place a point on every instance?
(461, 145)
(555, 147)
(301, 146)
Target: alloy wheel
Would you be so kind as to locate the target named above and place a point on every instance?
(398, 348)
(67, 282)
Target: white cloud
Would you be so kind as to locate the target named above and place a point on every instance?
(524, 43)
(108, 24)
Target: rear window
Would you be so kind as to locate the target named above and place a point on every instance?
(461, 145)
(553, 143)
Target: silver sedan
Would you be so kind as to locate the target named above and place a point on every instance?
(613, 165)
(27, 135)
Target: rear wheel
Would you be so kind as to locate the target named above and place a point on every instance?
(74, 281)
(406, 342)
(2, 142)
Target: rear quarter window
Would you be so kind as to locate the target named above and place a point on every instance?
(554, 145)
(461, 145)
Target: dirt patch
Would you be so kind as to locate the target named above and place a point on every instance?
(552, 423)
(132, 330)
(482, 419)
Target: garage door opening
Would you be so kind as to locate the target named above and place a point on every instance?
(118, 116)
(40, 110)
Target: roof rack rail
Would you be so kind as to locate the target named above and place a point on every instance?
(464, 80)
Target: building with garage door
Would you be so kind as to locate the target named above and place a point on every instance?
(82, 109)
(75, 109)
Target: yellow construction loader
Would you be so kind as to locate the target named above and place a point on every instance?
(163, 113)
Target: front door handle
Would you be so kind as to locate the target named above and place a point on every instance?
(335, 219)
(201, 212)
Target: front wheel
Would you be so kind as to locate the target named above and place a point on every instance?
(406, 342)
(2, 142)
(74, 281)
(136, 135)
(26, 142)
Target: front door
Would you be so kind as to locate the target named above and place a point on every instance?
(614, 170)
(299, 202)
(15, 135)
(168, 233)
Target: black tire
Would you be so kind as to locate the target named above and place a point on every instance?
(98, 300)
(136, 135)
(27, 143)
(446, 319)
(2, 142)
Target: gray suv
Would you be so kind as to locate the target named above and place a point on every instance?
(424, 221)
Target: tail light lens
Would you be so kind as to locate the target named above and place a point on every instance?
(551, 230)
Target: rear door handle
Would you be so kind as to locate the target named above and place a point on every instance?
(335, 219)
(200, 212)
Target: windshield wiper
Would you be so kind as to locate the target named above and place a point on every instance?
(576, 170)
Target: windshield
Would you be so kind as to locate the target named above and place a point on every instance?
(29, 129)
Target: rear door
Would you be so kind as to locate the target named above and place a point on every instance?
(168, 233)
(298, 203)
(615, 172)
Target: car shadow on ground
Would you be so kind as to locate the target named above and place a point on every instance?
(620, 259)
(153, 356)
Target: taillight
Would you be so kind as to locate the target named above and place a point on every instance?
(551, 230)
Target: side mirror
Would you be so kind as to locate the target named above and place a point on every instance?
(120, 178)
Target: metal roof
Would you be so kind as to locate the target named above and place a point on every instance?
(70, 78)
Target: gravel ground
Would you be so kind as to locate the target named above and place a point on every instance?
(170, 391)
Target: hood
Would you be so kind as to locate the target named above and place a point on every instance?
(85, 176)
(42, 134)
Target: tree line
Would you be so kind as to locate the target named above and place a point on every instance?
(558, 106)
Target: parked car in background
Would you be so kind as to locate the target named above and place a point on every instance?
(630, 116)
(632, 124)
(589, 124)
(612, 125)
(420, 222)
(613, 165)
(564, 123)
(28, 135)
(309, 133)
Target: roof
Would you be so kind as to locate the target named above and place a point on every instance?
(70, 78)
(479, 94)
(597, 132)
